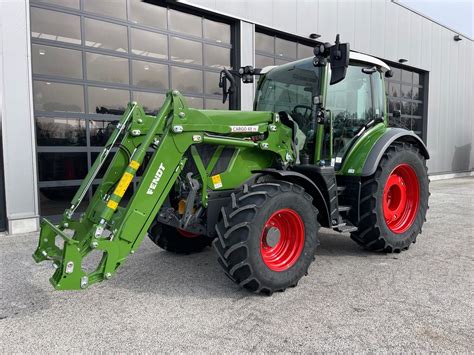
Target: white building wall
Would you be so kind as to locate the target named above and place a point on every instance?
(247, 48)
(387, 30)
(19, 148)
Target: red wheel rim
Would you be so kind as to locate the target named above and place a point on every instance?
(187, 234)
(287, 227)
(401, 196)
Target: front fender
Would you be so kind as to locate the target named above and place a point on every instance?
(310, 187)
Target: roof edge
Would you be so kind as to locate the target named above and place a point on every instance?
(432, 20)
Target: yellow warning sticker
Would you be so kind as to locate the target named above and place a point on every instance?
(112, 204)
(134, 164)
(123, 184)
(216, 181)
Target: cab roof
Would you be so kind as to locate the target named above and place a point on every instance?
(368, 59)
(353, 56)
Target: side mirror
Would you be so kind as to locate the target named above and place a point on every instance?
(397, 113)
(388, 74)
(227, 88)
(337, 55)
(339, 60)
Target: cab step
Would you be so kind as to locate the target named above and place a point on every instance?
(346, 228)
(344, 208)
(341, 189)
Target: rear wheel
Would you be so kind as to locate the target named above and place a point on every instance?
(267, 236)
(177, 240)
(394, 201)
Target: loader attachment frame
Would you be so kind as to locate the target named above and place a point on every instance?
(115, 226)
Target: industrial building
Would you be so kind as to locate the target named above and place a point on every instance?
(67, 65)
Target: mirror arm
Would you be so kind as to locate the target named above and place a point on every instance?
(245, 73)
(337, 52)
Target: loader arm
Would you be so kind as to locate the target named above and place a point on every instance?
(115, 226)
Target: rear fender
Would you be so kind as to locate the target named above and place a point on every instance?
(391, 135)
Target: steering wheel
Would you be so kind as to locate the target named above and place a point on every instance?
(307, 109)
(341, 119)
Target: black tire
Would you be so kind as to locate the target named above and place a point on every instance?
(240, 234)
(170, 239)
(373, 231)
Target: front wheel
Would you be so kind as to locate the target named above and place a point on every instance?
(394, 201)
(267, 236)
(177, 240)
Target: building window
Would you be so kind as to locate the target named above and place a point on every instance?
(111, 8)
(105, 35)
(55, 26)
(107, 68)
(405, 92)
(274, 50)
(58, 131)
(55, 61)
(149, 44)
(90, 58)
(51, 97)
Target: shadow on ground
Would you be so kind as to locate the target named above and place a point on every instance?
(151, 270)
(199, 275)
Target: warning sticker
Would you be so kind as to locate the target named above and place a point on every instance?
(112, 204)
(216, 181)
(134, 164)
(244, 128)
(123, 184)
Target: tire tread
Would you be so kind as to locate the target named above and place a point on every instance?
(236, 219)
(369, 234)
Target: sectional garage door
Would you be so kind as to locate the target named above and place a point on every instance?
(406, 92)
(90, 58)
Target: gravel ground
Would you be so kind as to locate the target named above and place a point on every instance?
(352, 300)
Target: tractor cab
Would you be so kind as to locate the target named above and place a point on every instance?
(345, 109)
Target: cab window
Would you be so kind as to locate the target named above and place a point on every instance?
(379, 94)
(290, 88)
(350, 102)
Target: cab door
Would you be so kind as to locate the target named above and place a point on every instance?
(353, 103)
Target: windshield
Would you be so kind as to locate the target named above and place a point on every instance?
(289, 88)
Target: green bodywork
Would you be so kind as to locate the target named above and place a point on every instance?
(354, 162)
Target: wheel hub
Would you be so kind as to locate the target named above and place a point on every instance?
(187, 234)
(282, 239)
(401, 197)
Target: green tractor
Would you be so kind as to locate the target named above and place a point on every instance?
(316, 152)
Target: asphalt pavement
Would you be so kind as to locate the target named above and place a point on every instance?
(352, 300)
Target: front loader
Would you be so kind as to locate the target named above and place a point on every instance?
(316, 151)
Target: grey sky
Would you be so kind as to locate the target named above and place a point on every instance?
(456, 14)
